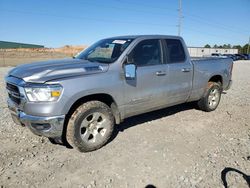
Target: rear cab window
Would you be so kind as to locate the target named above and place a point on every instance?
(174, 51)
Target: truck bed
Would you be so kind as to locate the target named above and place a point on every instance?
(205, 68)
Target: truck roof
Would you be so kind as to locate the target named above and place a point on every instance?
(145, 36)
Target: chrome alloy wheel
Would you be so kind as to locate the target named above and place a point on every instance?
(93, 128)
(214, 98)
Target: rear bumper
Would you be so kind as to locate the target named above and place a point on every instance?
(50, 127)
(229, 85)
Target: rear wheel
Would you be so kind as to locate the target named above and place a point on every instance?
(211, 97)
(90, 126)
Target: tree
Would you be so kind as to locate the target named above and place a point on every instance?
(229, 46)
(207, 46)
(244, 49)
(226, 46)
(215, 46)
(238, 47)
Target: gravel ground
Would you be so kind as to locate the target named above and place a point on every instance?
(174, 147)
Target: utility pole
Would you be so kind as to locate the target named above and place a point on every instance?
(180, 17)
(248, 47)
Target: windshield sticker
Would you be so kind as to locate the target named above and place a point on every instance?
(119, 41)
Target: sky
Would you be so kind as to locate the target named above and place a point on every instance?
(55, 23)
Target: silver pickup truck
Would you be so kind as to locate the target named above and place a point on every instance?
(79, 100)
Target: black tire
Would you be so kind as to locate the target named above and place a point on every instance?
(88, 120)
(204, 103)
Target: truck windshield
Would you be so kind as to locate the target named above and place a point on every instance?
(105, 51)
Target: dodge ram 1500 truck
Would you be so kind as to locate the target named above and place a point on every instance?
(81, 98)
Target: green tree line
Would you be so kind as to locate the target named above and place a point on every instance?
(242, 49)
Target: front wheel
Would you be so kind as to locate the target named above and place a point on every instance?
(90, 126)
(211, 97)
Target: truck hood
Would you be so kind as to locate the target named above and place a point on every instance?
(44, 71)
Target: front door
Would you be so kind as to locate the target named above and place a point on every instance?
(146, 92)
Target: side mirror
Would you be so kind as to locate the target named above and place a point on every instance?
(130, 71)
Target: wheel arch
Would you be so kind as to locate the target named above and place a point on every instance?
(102, 97)
(216, 78)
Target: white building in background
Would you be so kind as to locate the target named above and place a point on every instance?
(203, 52)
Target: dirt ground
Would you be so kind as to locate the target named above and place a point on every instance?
(174, 147)
(15, 57)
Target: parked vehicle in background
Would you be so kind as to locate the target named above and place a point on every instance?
(246, 56)
(243, 57)
(216, 54)
(239, 56)
(81, 99)
(233, 57)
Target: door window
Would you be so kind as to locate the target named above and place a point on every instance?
(175, 51)
(147, 52)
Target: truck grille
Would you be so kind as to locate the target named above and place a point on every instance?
(13, 93)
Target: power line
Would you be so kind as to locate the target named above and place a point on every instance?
(207, 33)
(186, 14)
(196, 18)
(125, 8)
(191, 17)
(146, 5)
(217, 24)
(87, 18)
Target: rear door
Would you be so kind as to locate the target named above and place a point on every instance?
(147, 91)
(180, 72)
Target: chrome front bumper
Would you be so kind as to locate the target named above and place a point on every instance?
(50, 127)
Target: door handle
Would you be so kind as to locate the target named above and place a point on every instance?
(160, 73)
(186, 70)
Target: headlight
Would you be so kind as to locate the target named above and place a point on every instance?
(45, 93)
